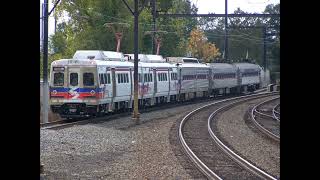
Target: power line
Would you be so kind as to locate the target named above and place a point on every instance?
(219, 15)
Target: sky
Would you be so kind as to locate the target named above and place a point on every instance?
(218, 6)
(207, 6)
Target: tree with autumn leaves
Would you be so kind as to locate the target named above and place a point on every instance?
(200, 48)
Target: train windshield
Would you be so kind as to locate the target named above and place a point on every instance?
(73, 79)
(58, 79)
(88, 79)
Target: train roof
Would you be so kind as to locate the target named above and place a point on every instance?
(193, 65)
(114, 56)
(143, 64)
(99, 55)
(222, 67)
(141, 57)
(247, 66)
(155, 58)
(90, 62)
(182, 60)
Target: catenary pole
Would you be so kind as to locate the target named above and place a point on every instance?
(135, 13)
(226, 31)
(135, 75)
(153, 25)
(45, 63)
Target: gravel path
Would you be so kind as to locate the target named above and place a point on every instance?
(116, 149)
(233, 128)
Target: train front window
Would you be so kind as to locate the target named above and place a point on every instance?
(88, 79)
(58, 79)
(73, 79)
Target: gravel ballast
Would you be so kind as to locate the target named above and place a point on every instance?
(234, 130)
(115, 149)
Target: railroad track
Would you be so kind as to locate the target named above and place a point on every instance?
(269, 125)
(67, 123)
(264, 108)
(195, 135)
(275, 112)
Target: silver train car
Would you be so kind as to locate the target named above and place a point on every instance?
(94, 83)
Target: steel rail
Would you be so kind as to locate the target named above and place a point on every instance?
(244, 163)
(274, 112)
(264, 102)
(194, 158)
(261, 128)
(48, 125)
(51, 123)
(67, 124)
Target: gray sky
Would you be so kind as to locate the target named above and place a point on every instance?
(217, 6)
(206, 6)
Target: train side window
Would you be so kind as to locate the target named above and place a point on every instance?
(88, 79)
(146, 77)
(150, 77)
(73, 79)
(105, 78)
(58, 79)
(123, 78)
(126, 78)
(108, 78)
(101, 79)
(119, 78)
(162, 76)
(139, 77)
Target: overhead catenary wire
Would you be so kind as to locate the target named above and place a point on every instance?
(130, 22)
(165, 28)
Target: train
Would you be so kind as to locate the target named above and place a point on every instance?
(95, 82)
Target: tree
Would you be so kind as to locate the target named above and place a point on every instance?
(200, 47)
(85, 30)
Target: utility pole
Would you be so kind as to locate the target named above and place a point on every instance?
(226, 31)
(154, 24)
(264, 32)
(136, 116)
(55, 23)
(45, 19)
(135, 13)
(45, 62)
(264, 29)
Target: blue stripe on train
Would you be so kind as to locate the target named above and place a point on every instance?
(80, 90)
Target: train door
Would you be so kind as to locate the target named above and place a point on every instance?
(210, 79)
(239, 80)
(73, 82)
(155, 81)
(113, 82)
(108, 84)
(123, 85)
